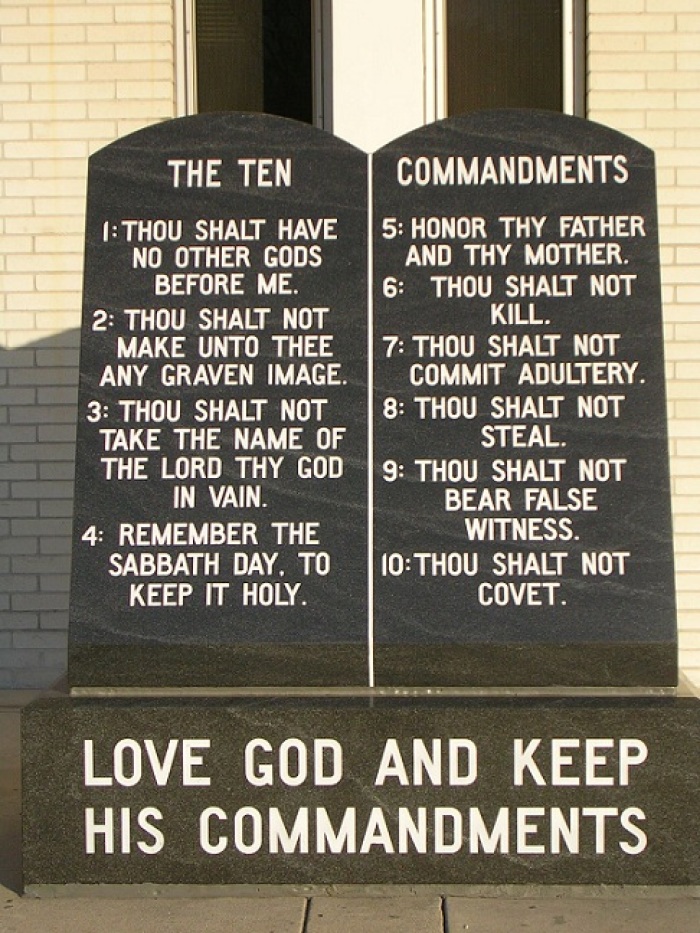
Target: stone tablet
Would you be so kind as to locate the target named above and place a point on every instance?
(522, 520)
(220, 521)
(485, 503)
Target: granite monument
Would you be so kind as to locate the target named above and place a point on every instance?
(373, 570)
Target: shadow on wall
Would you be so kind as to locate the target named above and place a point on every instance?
(37, 461)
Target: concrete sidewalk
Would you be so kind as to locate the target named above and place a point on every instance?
(404, 910)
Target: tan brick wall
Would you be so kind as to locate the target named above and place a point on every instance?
(74, 76)
(644, 79)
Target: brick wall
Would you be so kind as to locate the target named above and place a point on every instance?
(644, 79)
(76, 75)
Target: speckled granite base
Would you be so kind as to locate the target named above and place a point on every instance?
(362, 791)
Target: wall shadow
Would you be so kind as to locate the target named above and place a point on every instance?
(38, 405)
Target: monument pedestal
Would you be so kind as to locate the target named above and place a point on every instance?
(363, 790)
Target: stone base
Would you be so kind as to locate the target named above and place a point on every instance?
(452, 791)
